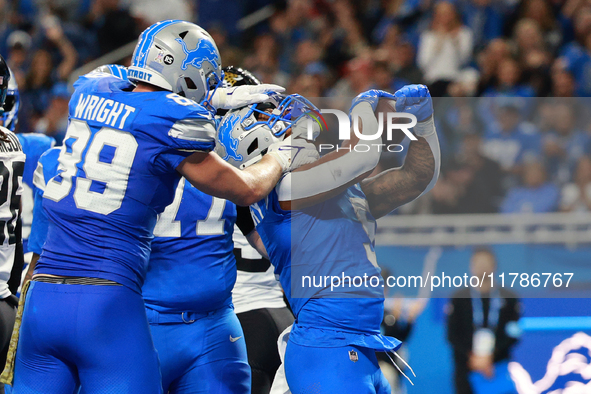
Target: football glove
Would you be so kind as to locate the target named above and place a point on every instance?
(240, 96)
(292, 153)
(416, 100)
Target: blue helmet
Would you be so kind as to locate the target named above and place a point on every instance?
(244, 134)
(178, 56)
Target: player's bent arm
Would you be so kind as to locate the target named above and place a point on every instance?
(395, 187)
(254, 239)
(213, 176)
(333, 173)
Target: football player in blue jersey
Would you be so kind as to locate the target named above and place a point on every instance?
(188, 290)
(188, 297)
(83, 322)
(257, 296)
(319, 222)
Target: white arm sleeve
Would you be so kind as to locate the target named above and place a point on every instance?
(427, 131)
(335, 173)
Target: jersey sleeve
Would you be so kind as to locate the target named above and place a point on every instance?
(191, 129)
(46, 169)
(34, 145)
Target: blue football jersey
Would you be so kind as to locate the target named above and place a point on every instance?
(333, 238)
(117, 172)
(34, 145)
(192, 266)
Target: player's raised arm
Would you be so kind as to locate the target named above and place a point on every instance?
(338, 170)
(212, 175)
(395, 187)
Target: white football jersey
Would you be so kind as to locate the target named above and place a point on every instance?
(12, 164)
(254, 290)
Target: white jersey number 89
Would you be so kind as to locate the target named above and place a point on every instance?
(115, 174)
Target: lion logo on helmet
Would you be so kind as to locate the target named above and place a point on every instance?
(225, 138)
(205, 50)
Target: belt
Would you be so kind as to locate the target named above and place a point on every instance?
(74, 280)
(155, 317)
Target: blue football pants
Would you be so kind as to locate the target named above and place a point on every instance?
(338, 370)
(205, 356)
(96, 337)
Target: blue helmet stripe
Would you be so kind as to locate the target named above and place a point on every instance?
(114, 70)
(148, 40)
(141, 44)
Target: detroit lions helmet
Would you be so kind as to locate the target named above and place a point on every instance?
(178, 56)
(11, 104)
(244, 134)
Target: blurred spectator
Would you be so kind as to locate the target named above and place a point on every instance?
(535, 59)
(576, 196)
(563, 82)
(264, 62)
(403, 62)
(564, 144)
(482, 329)
(384, 78)
(19, 44)
(536, 195)
(113, 24)
(56, 38)
(488, 63)
(445, 49)
(483, 192)
(485, 18)
(231, 55)
(509, 140)
(358, 78)
(575, 57)
(55, 120)
(542, 13)
(152, 11)
(307, 85)
(508, 81)
(307, 52)
(36, 91)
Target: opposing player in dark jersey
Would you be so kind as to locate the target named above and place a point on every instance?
(319, 222)
(12, 164)
(34, 145)
(125, 150)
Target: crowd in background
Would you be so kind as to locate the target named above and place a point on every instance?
(522, 146)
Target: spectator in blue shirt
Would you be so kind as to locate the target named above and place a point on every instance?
(576, 57)
(485, 18)
(565, 144)
(510, 140)
(509, 81)
(537, 195)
